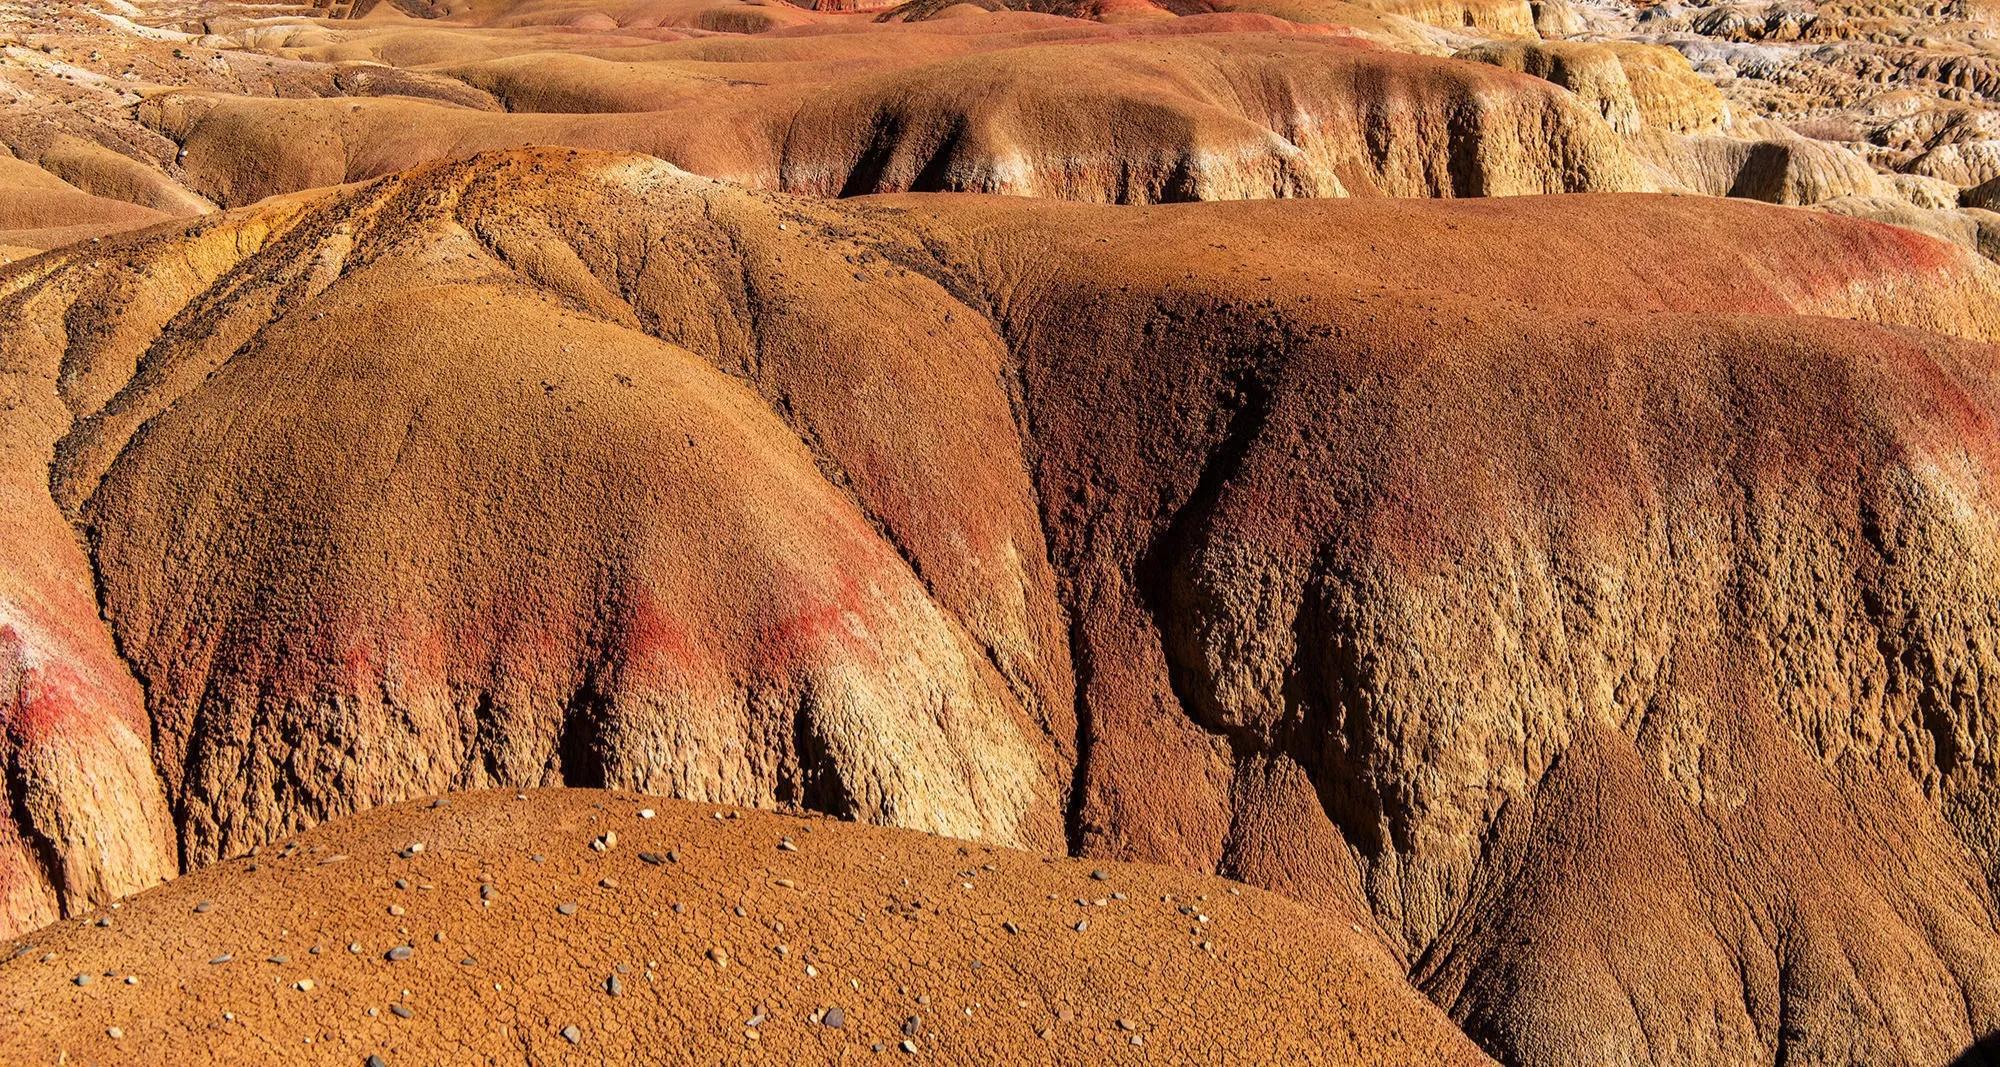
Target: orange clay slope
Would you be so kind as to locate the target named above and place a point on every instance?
(1588, 597)
(582, 926)
(180, 107)
(1078, 111)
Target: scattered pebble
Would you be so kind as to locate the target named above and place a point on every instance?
(653, 858)
(224, 958)
(835, 1018)
(572, 1035)
(303, 985)
(566, 909)
(645, 813)
(400, 953)
(720, 957)
(204, 906)
(614, 987)
(376, 1061)
(1098, 875)
(401, 1012)
(113, 1033)
(607, 842)
(785, 845)
(81, 979)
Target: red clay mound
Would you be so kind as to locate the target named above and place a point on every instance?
(698, 938)
(1581, 595)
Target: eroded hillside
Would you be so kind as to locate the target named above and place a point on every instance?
(1583, 596)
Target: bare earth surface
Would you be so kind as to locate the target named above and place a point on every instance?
(176, 106)
(698, 936)
(1256, 538)
(1516, 482)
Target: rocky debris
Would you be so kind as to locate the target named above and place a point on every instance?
(922, 985)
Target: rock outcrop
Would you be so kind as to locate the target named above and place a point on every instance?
(1785, 169)
(1133, 119)
(1633, 86)
(1584, 597)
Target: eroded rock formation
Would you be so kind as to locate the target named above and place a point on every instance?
(1583, 596)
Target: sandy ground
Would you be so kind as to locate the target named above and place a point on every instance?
(697, 935)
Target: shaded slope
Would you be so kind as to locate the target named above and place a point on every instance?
(1584, 596)
(1116, 119)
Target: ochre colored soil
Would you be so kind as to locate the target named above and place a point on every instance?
(731, 948)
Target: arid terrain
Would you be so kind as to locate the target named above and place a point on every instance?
(1277, 531)
(584, 926)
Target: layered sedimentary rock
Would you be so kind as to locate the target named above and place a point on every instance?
(1169, 117)
(1585, 597)
(1781, 169)
(1633, 86)
(174, 108)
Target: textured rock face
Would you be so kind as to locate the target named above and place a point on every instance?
(546, 548)
(1785, 169)
(1633, 86)
(1586, 597)
(1131, 119)
(172, 107)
